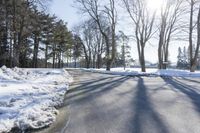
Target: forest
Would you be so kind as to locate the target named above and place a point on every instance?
(31, 37)
(26, 31)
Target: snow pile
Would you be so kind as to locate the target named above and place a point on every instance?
(29, 97)
(120, 71)
(177, 73)
(150, 72)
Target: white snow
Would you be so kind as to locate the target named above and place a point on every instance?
(29, 97)
(149, 72)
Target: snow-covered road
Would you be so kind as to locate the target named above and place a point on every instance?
(28, 97)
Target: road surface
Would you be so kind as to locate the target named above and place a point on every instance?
(102, 103)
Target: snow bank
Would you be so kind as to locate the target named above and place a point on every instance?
(177, 73)
(29, 97)
(150, 72)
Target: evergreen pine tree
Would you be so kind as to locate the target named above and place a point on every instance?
(185, 58)
(179, 57)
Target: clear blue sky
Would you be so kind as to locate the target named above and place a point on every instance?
(64, 10)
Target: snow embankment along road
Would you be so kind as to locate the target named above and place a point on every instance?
(150, 72)
(29, 97)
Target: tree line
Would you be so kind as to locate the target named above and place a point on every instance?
(30, 37)
(175, 20)
(96, 52)
(183, 58)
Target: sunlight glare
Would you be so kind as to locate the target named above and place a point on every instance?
(154, 5)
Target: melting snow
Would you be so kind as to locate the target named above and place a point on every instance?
(29, 97)
(150, 72)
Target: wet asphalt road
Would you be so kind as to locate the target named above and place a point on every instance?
(102, 103)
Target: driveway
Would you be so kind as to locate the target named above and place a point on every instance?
(102, 103)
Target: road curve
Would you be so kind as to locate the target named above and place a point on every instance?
(102, 103)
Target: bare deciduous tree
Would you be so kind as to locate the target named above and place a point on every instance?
(93, 43)
(193, 54)
(170, 14)
(143, 22)
(108, 10)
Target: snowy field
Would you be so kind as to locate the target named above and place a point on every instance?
(29, 97)
(149, 72)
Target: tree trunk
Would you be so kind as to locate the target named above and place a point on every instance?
(98, 54)
(160, 52)
(87, 60)
(5, 45)
(23, 55)
(194, 60)
(59, 60)
(54, 55)
(123, 56)
(20, 49)
(108, 61)
(190, 35)
(113, 45)
(53, 60)
(108, 65)
(35, 52)
(93, 62)
(75, 63)
(67, 58)
(193, 67)
(99, 61)
(166, 56)
(15, 48)
(46, 55)
(142, 60)
(11, 53)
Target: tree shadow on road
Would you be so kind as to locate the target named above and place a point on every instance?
(92, 89)
(85, 83)
(191, 80)
(145, 119)
(189, 91)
